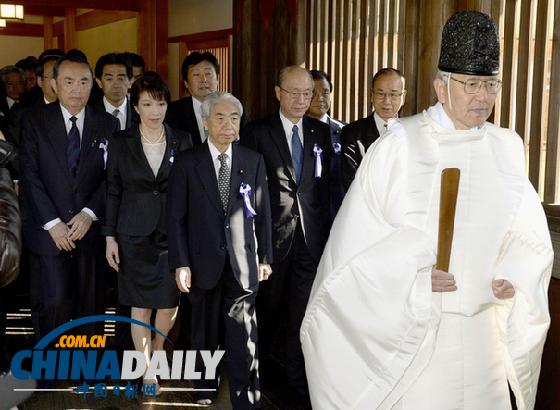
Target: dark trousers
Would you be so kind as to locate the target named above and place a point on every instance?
(230, 306)
(62, 288)
(283, 299)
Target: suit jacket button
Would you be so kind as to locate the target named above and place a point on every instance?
(156, 192)
(70, 212)
(227, 226)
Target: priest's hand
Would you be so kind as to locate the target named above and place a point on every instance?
(264, 271)
(503, 289)
(183, 278)
(443, 281)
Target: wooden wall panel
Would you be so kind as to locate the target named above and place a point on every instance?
(537, 95)
(552, 161)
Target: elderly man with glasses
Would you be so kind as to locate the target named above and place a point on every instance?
(384, 328)
(388, 95)
(296, 149)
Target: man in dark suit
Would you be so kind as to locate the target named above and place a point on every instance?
(319, 109)
(296, 150)
(113, 74)
(219, 235)
(200, 75)
(388, 95)
(63, 174)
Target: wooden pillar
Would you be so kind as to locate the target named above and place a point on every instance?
(432, 16)
(69, 29)
(152, 35)
(268, 35)
(48, 32)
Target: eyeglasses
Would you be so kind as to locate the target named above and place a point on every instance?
(324, 94)
(294, 95)
(473, 85)
(392, 96)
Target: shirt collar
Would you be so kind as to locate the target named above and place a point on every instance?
(325, 118)
(196, 106)
(288, 125)
(10, 101)
(66, 114)
(380, 123)
(214, 152)
(110, 107)
(438, 114)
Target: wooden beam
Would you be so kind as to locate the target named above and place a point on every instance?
(43, 11)
(48, 32)
(96, 18)
(101, 17)
(205, 35)
(22, 29)
(69, 29)
(127, 5)
(205, 44)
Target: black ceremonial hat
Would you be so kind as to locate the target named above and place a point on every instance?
(470, 44)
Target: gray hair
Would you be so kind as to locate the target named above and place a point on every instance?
(215, 98)
(4, 71)
(285, 71)
(443, 76)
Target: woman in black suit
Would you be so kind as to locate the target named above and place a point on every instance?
(138, 163)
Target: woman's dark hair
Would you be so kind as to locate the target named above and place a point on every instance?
(151, 83)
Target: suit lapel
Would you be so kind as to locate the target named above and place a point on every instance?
(171, 148)
(135, 147)
(237, 175)
(128, 113)
(309, 139)
(207, 175)
(372, 131)
(58, 136)
(193, 124)
(90, 129)
(279, 138)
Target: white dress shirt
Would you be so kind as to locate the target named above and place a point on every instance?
(197, 113)
(68, 124)
(288, 129)
(110, 108)
(214, 152)
(10, 102)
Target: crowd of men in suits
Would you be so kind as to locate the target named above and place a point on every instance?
(294, 165)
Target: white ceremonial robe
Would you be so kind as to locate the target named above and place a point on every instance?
(374, 334)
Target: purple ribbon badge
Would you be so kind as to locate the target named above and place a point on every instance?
(318, 164)
(103, 146)
(171, 157)
(337, 148)
(245, 191)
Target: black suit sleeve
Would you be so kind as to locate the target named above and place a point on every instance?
(114, 189)
(41, 206)
(263, 220)
(177, 209)
(351, 156)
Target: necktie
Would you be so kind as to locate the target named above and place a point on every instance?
(116, 113)
(297, 153)
(73, 149)
(223, 180)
